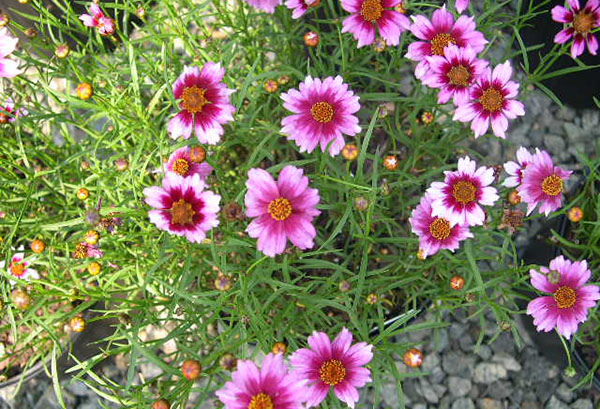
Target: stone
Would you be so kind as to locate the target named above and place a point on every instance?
(564, 393)
(440, 340)
(544, 389)
(566, 113)
(485, 352)
(427, 391)
(489, 403)
(459, 386)
(466, 343)
(574, 132)
(504, 343)
(519, 134)
(582, 404)
(555, 403)
(410, 387)
(456, 330)
(389, 394)
(500, 390)
(555, 144)
(530, 404)
(507, 361)
(590, 119)
(488, 372)
(440, 390)
(463, 403)
(419, 406)
(456, 363)
(78, 388)
(437, 375)
(444, 403)
(430, 362)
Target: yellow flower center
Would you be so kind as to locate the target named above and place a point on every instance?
(332, 372)
(459, 75)
(552, 185)
(463, 192)
(565, 297)
(181, 167)
(371, 10)
(491, 100)
(182, 213)
(583, 22)
(261, 401)
(441, 41)
(280, 209)
(440, 228)
(322, 112)
(17, 269)
(193, 99)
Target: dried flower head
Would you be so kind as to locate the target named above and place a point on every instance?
(197, 154)
(228, 362)
(511, 220)
(413, 358)
(283, 79)
(121, 164)
(232, 212)
(361, 203)
(82, 193)
(20, 299)
(77, 324)
(350, 151)
(371, 299)
(390, 162)
(222, 282)
(575, 214)
(84, 90)
(191, 369)
(279, 348)
(37, 246)
(514, 198)
(457, 282)
(270, 86)
(379, 45)
(344, 286)
(311, 39)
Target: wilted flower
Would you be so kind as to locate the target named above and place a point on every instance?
(105, 25)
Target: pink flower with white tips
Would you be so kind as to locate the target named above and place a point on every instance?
(439, 33)
(515, 169)
(492, 102)
(8, 44)
(105, 25)
(459, 197)
(268, 6)
(461, 5)
(20, 268)
(368, 14)
(581, 23)
(300, 7)
(10, 111)
(181, 163)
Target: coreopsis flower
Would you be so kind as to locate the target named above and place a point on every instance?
(337, 364)
(435, 233)
(20, 267)
(8, 113)
(204, 103)
(105, 25)
(438, 33)
(454, 73)
(459, 197)
(182, 206)
(323, 110)
(281, 210)
(580, 24)
(515, 169)
(368, 14)
(8, 43)
(268, 6)
(461, 5)
(492, 102)
(180, 162)
(300, 7)
(271, 386)
(570, 298)
(542, 183)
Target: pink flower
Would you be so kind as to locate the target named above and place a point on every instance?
(515, 170)
(458, 198)
(438, 33)
(105, 25)
(368, 14)
(580, 22)
(542, 182)
(301, 6)
(454, 73)
(8, 68)
(182, 164)
(268, 387)
(19, 268)
(461, 5)
(282, 210)
(204, 104)
(10, 111)
(268, 6)
(492, 100)
(337, 364)
(183, 207)
(570, 301)
(322, 113)
(435, 233)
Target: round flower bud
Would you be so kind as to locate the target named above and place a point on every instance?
(4, 19)
(379, 45)
(311, 39)
(23, 1)
(20, 299)
(84, 90)
(279, 348)
(140, 12)
(94, 268)
(77, 324)
(470, 297)
(344, 286)
(84, 165)
(37, 246)
(457, 282)
(222, 283)
(191, 369)
(233, 211)
(228, 362)
(361, 203)
(350, 151)
(121, 164)
(30, 32)
(82, 194)
(413, 358)
(283, 79)
(390, 162)
(161, 404)
(371, 299)
(514, 198)
(270, 86)
(427, 117)
(575, 214)
(92, 237)
(197, 154)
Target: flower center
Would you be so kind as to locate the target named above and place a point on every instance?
(459, 75)
(193, 99)
(583, 22)
(464, 192)
(441, 41)
(17, 269)
(322, 112)
(565, 297)
(181, 167)
(332, 372)
(280, 209)
(440, 228)
(261, 401)
(182, 213)
(552, 185)
(371, 10)
(491, 100)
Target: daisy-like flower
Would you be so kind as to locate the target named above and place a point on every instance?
(337, 364)
(492, 101)
(9, 113)
(8, 43)
(268, 6)
(204, 104)
(183, 207)
(20, 268)
(542, 183)
(570, 301)
(439, 33)
(368, 14)
(282, 210)
(435, 233)
(270, 387)
(181, 163)
(322, 112)
(454, 73)
(458, 198)
(301, 6)
(461, 5)
(105, 25)
(515, 169)
(580, 23)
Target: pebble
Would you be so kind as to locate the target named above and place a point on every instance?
(555, 403)
(485, 352)
(419, 406)
(529, 404)
(459, 386)
(463, 403)
(489, 403)
(564, 393)
(500, 390)
(582, 404)
(507, 361)
(554, 143)
(488, 372)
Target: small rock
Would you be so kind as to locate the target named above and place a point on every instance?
(485, 352)
(530, 404)
(78, 389)
(466, 343)
(419, 406)
(504, 343)
(489, 403)
(440, 390)
(459, 386)
(457, 330)
(555, 403)
(575, 133)
(440, 341)
(488, 372)
(566, 113)
(444, 403)
(554, 143)
(500, 390)
(456, 363)
(590, 119)
(463, 403)
(430, 362)
(427, 391)
(543, 390)
(507, 361)
(410, 387)
(582, 404)
(564, 393)
(437, 375)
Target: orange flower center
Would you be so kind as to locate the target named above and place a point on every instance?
(322, 112)
(280, 209)
(565, 297)
(371, 10)
(182, 213)
(491, 100)
(181, 167)
(583, 22)
(440, 228)
(193, 99)
(261, 401)
(459, 75)
(552, 185)
(463, 192)
(17, 269)
(441, 41)
(332, 372)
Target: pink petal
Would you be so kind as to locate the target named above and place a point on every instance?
(563, 36)
(561, 15)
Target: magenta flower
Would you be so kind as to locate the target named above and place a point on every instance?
(183, 207)
(454, 73)
(282, 210)
(268, 6)
(570, 301)
(270, 387)
(368, 14)
(204, 104)
(458, 198)
(337, 364)
(580, 22)
(438, 33)
(182, 164)
(492, 101)
(105, 25)
(300, 6)
(515, 169)
(435, 233)
(542, 182)
(8, 43)
(20, 268)
(461, 5)
(10, 111)
(322, 113)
